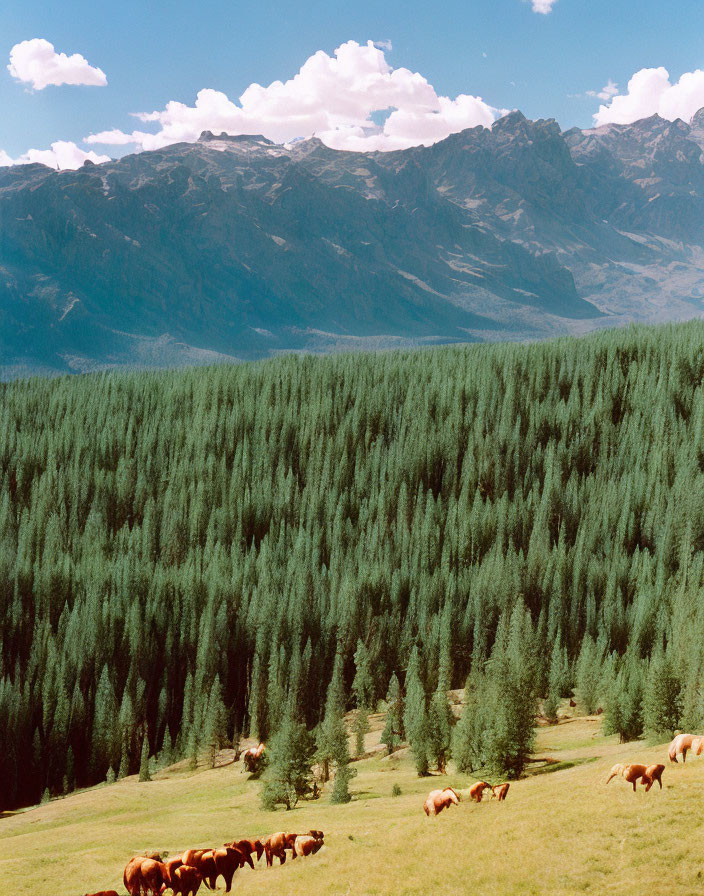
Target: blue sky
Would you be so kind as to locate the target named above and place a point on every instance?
(501, 51)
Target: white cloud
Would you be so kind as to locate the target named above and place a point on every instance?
(609, 90)
(117, 138)
(383, 45)
(332, 97)
(543, 6)
(651, 92)
(36, 62)
(63, 154)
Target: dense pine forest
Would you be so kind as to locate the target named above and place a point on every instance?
(183, 554)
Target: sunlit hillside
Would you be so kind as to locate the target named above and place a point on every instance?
(561, 832)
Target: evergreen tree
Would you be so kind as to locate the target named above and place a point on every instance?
(589, 674)
(497, 728)
(144, 761)
(415, 714)
(166, 756)
(623, 710)
(363, 683)
(551, 706)
(662, 699)
(70, 772)
(331, 736)
(289, 775)
(469, 736)
(124, 769)
(361, 728)
(392, 735)
(215, 731)
(341, 785)
(439, 730)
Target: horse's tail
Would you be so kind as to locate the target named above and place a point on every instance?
(672, 752)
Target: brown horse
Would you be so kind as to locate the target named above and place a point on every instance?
(653, 773)
(683, 743)
(277, 844)
(214, 863)
(247, 847)
(253, 758)
(143, 876)
(308, 844)
(184, 880)
(635, 772)
(499, 791)
(437, 800)
(476, 791)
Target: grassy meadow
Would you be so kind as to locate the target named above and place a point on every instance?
(561, 832)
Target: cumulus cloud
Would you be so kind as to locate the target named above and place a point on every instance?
(37, 63)
(63, 154)
(609, 90)
(332, 97)
(543, 6)
(117, 138)
(383, 45)
(651, 92)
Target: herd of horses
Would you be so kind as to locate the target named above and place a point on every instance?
(437, 800)
(148, 875)
(649, 774)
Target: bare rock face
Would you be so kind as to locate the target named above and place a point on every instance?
(235, 247)
(697, 127)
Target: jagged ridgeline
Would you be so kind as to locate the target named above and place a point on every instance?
(182, 543)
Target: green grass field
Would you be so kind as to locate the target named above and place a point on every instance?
(557, 833)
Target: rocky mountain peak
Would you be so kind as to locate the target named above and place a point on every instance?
(209, 137)
(243, 247)
(697, 120)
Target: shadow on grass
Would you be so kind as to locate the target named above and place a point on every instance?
(554, 765)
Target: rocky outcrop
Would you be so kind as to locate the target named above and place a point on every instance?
(235, 247)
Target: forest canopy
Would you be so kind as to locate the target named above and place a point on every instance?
(184, 554)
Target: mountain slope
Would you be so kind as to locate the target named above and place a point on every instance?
(234, 247)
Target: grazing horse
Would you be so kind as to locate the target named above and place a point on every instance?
(143, 876)
(476, 791)
(212, 863)
(500, 791)
(437, 800)
(653, 773)
(185, 880)
(253, 758)
(277, 844)
(683, 743)
(634, 773)
(308, 844)
(247, 847)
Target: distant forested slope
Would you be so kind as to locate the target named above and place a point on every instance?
(174, 541)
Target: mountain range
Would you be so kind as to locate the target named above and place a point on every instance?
(235, 248)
